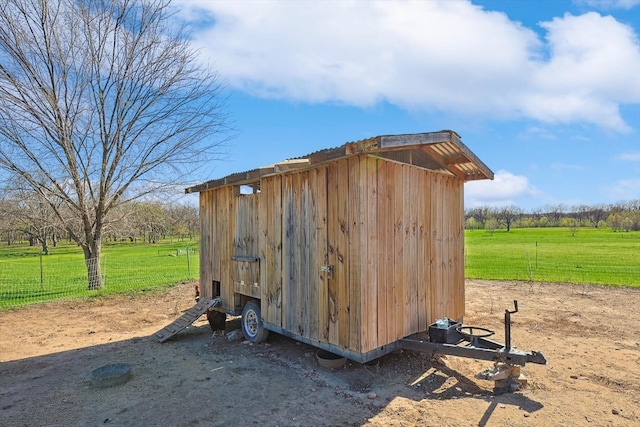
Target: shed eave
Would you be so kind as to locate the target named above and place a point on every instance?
(441, 150)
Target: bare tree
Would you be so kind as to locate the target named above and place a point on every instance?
(7, 227)
(580, 212)
(536, 215)
(508, 215)
(181, 220)
(32, 215)
(555, 213)
(151, 221)
(596, 214)
(101, 102)
(491, 225)
(480, 214)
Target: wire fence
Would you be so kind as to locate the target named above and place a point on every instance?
(25, 282)
(538, 263)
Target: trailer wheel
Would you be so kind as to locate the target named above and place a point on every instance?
(252, 327)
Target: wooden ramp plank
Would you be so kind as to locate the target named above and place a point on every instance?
(187, 318)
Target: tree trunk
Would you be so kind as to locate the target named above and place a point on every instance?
(92, 260)
(45, 245)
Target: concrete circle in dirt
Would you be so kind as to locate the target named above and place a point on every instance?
(111, 375)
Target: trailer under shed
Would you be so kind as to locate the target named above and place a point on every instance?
(350, 249)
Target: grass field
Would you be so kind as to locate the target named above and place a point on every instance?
(27, 277)
(598, 256)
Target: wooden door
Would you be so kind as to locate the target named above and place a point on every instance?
(245, 260)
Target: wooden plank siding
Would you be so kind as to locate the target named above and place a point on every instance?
(411, 251)
(320, 329)
(370, 247)
(337, 253)
(245, 237)
(407, 250)
(396, 176)
(423, 266)
(385, 320)
(391, 233)
(458, 284)
(288, 251)
(346, 232)
(351, 320)
(207, 235)
(223, 243)
(446, 257)
(270, 244)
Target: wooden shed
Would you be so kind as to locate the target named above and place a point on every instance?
(349, 249)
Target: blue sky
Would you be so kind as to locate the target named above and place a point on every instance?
(545, 92)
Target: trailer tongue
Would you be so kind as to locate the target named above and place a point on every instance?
(455, 339)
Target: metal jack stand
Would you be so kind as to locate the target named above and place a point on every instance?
(506, 376)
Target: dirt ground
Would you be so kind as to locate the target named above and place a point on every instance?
(589, 335)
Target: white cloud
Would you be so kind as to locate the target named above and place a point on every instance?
(626, 189)
(592, 69)
(430, 56)
(633, 156)
(609, 4)
(538, 133)
(502, 191)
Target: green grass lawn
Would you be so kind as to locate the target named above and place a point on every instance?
(598, 256)
(27, 277)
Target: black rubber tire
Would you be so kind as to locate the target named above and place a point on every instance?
(252, 327)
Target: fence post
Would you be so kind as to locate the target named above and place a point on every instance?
(41, 273)
(104, 270)
(188, 263)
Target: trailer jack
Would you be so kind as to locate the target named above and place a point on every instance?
(473, 342)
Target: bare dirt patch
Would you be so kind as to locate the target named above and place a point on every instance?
(590, 336)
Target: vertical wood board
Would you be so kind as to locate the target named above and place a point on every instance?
(336, 255)
(322, 255)
(369, 302)
(352, 329)
(386, 324)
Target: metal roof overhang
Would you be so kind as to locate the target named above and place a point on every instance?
(441, 152)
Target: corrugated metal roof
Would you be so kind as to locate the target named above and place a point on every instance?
(441, 151)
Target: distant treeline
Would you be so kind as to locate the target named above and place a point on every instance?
(36, 222)
(24, 220)
(621, 216)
